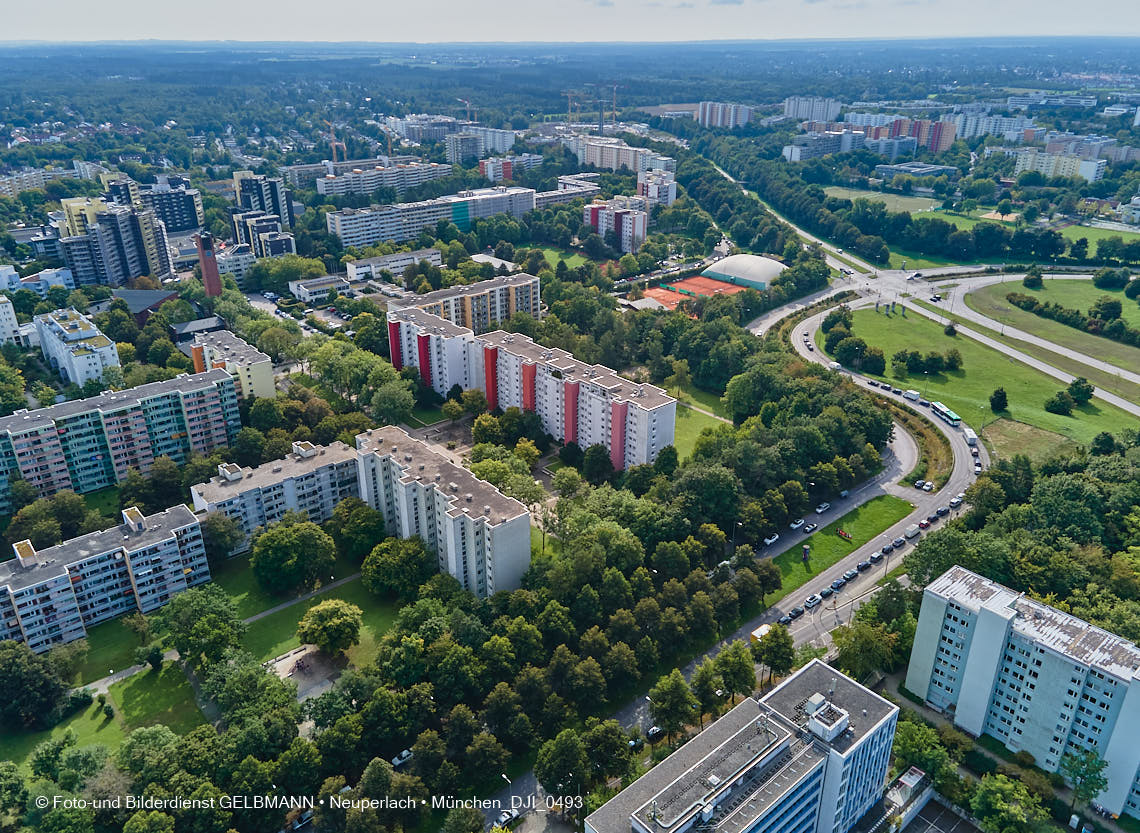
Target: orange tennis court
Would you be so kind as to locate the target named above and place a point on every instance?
(671, 294)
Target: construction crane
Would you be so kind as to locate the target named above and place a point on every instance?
(469, 110)
(569, 105)
(333, 143)
(615, 86)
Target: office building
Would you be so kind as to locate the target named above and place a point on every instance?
(1025, 102)
(915, 169)
(208, 264)
(504, 168)
(395, 264)
(720, 114)
(1037, 679)
(479, 535)
(811, 756)
(312, 479)
(626, 217)
(481, 306)
(257, 192)
(579, 403)
(1059, 165)
(657, 187)
(54, 595)
(73, 345)
(368, 180)
(87, 444)
(305, 175)
(251, 369)
(613, 154)
(570, 187)
(236, 260)
(111, 244)
(811, 108)
(404, 221)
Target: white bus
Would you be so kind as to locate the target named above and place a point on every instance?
(971, 437)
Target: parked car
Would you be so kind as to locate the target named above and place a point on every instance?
(918, 484)
(823, 507)
(899, 542)
(955, 502)
(942, 511)
(850, 574)
(839, 584)
(928, 486)
(785, 620)
(887, 549)
(796, 612)
(402, 759)
(814, 600)
(933, 517)
(810, 528)
(796, 524)
(924, 403)
(872, 383)
(896, 391)
(654, 734)
(876, 557)
(506, 817)
(636, 744)
(977, 468)
(924, 524)
(974, 451)
(771, 539)
(810, 347)
(863, 565)
(826, 592)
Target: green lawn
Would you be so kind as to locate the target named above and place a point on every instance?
(703, 399)
(991, 302)
(237, 579)
(89, 725)
(275, 634)
(690, 423)
(894, 202)
(967, 391)
(426, 416)
(553, 255)
(110, 647)
(864, 523)
(104, 501)
(152, 697)
(1092, 233)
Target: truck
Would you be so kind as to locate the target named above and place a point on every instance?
(759, 633)
(912, 531)
(971, 437)
(912, 395)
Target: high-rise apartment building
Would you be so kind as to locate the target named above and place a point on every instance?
(613, 154)
(307, 174)
(53, 595)
(479, 535)
(404, 221)
(973, 125)
(1037, 679)
(480, 306)
(657, 187)
(579, 403)
(236, 260)
(312, 479)
(504, 168)
(9, 324)
(257, 192)
(720, 114)
(812, 108)
(626, 217)
(73, 345)
(1059, 164)
(811, 756)
(397, 177)
(87, 444)
(476, 141)
(108, 243)
(252, 370)
(570, 187)
(178, 206)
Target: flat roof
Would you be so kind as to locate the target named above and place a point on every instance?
(477, 288)
(110, 400)
(53, 562)
(227, 346)
(467, 494)
(431, 323)
(1047, 626)
(198, 325)
(218, 488)
(380, 260)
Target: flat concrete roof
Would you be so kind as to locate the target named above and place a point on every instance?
(450, 292)
(219, 489)
(228, 346)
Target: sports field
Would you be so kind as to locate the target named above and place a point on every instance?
(671, 294)
(894, 202)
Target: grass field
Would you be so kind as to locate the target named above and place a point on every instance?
(703, 399)
(237, 579)
(158, 697)
(865, 524)
(1093, 234)
(894, 202)
(110, 647)
(275, 634)
(991, 302)
(690, 423)
(967, 391)
(573, 259)
(426, 416)
(104, 501)
(90, 727)
(1019, 438)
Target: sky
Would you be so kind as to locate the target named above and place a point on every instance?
(427, 21)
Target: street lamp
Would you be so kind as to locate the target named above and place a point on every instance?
(735, 527)
(503, 775)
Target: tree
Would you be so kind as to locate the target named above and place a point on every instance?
(485, 429)
(737, 669)
(30, 688)
(200, 623)
(777, 650)
(561, 764)
(671, 703)
(355, 528)
(769, 576)
(1003, 805)
(397, 566)
(265, 414)
(1081, 390)
(292, 556)
(864, 648)
(998, 400)
(452, 410)
(919, 745)
(1102, 444)
(221, 534)
(1106, 308)
(607, 749)
(248, 447)
(393, 403)
(1061, 402)
(149, 821)
(474, 401)
(333, 626)
(597, 467)
(1085, 772)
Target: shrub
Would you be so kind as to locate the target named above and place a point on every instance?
(109, 711)
(979, 763)
(1060, 403)
(1023, 758)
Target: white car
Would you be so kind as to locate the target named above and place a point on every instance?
(928, 486)
(506, 817)
(796, 524)
(823, 507)
(402, 759)
(771, 539)
(813, 600)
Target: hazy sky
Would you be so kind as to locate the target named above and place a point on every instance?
(555, 20)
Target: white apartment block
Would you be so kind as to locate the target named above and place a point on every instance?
(73, 345)
(404, 221)
(1058, 164)
(570, 187)
(612, 154)
(251, 369)
(1034, 677)
(398, 177)
(313, 290)
(811, 756)
(973, 125)
(479, 306)
(812, 108)
(480, 536)
(39, 283)
(473, 140)
(236, 260)
(504, 168)
(628, 217)
(9, 324)
(579, 403)
(657, 187)
(371, 267)
(54, 595)
(312, 479)
(307, 174)
(721, 114)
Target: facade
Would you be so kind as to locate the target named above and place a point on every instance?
(257, 192)
(479, 535)
(54, 595)
(179, 207)
(312, 479)
(404, 221)
(613, 154)
(275, 244)
(579, 403)
(9, 325)
(236, 260)
(625, 216)
(1024, 102)
(476, 141)
(307, 174)
(719, 114)
(657, 187)
(39, 283)
(87, 444)
(422, 127)
(1059, 164)
(504, 168)
(811, 756)
(318, 289)
(252, 370)
(916, 169)
(262, 233)
(479, 306)
(73, 345)
(812, 108)
(371, 267)
(367, 180)
(107, 243)
(1032, 676)
(570, 187)
(973, 125)
(815, 145)
(462, 146)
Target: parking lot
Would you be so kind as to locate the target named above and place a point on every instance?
(934, 818)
